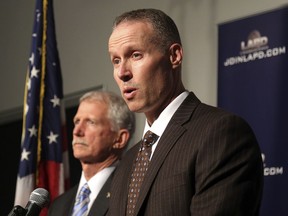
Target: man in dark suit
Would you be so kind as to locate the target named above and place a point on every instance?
(206, 161)
(103, 125)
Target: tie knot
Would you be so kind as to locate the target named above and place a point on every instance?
(150, 138)
(85, 190)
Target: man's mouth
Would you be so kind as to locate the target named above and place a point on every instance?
(129, 92)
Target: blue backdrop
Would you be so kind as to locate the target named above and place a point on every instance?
(253, 82)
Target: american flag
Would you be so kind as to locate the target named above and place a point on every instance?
(44, 156)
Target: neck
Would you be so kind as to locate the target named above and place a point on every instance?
(154, 114)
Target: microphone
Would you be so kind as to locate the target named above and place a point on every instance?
(39, 198)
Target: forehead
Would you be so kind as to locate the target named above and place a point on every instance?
(90, 107)
(129, 31)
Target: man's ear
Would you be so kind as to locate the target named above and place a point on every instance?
(122, 139)
(176, 55)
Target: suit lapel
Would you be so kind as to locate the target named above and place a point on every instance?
(101, 203)
(172, 133)
(70, 200)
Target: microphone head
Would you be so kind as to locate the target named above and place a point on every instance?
(40, 196)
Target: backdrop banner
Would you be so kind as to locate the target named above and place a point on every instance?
(253, 82)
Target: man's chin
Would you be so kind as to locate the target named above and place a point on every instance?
(133, 106)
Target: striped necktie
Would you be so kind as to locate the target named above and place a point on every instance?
(82, 200)
(140, 168)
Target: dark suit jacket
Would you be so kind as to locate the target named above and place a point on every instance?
(63, 205)
(207, 162)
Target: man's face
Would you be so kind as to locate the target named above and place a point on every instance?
(141, 70)
(92, 135)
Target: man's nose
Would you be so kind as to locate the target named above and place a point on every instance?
(124, 71)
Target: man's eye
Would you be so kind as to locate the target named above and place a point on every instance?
(91, 122)
(116, 61)
(136, 55)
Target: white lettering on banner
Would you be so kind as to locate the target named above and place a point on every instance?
(254, 43)
(256, 48)
(255, 56)
(271, 171)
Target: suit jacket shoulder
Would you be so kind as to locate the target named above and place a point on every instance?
(64, 203)
(204, 159)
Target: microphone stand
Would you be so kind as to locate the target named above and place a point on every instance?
(18, 211)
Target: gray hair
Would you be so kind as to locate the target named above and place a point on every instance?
(118, 112)
(165, 30)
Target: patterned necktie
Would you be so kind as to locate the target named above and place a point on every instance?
(82, 200)
(140, 168)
